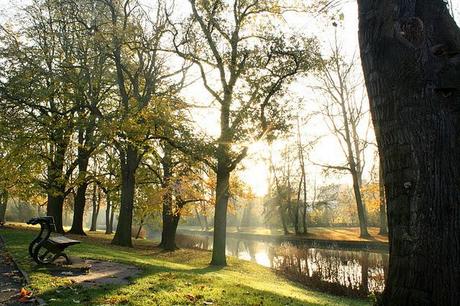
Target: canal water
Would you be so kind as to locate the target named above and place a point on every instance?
(339, 271)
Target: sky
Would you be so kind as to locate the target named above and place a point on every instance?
(327, 151)
(254, 170)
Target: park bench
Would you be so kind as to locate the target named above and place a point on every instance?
(46, 248)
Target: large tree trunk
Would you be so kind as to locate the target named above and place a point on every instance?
(112, 217)
(79, 210)
(56, 177)
(410, 54)
(382, 204)
(129, 164)
(3, 205)
(56, 192)
(167, 238)
(364, 262)
(362, 216)
(83, 156)
(96, 207)
(220, 213)
(54, 209)
(108, 225)
(168, 233)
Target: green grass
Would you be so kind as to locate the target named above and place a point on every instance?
(179, 278)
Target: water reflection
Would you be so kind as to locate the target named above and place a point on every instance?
(346, 272)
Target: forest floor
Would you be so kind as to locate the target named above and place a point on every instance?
(324, 233)
(182, 277)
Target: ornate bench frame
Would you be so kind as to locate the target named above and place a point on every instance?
(45, 248)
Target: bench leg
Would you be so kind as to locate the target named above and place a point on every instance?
(68, 261)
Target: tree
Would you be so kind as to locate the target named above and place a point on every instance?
(182, 184)
(411, 63)
(144, 83)
(147, 204)
(303, 180)
(382, 203)
(37, 80)
(93, 86)
(345, 114)
(253, 67)
(96, 201)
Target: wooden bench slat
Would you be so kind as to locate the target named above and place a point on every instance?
(63, 240)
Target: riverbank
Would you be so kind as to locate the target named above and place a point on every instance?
(178, 278)
(325, 237)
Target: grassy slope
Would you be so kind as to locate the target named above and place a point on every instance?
(167, 278)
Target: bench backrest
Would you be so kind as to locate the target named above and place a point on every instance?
(46, 224)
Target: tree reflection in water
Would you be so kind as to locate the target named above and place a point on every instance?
(345, 272)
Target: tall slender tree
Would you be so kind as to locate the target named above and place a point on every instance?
(38, 80)
(345, 113)
(94, 86)
(253, 65)
(144, 82)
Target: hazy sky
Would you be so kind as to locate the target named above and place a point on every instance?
(327, 150)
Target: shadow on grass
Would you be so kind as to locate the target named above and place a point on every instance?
(146, 292)
(161, 282)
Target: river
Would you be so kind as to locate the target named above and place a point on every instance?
(340, 271)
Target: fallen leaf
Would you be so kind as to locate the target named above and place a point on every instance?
(25, 295)
(191, 297)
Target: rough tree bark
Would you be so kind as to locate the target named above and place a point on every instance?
(112, 217)
(108, 225)
(364, 262)
(56, 185)
(3, 205)
(79, 210)
(129, 163)
(382, 209)
(96, 207)
(410, 54)
(80, 198)
(169, 215)
(85, 149)
(168, 234)
(220, 212)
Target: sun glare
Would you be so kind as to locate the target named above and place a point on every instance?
(255, 171)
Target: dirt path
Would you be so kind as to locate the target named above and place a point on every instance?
(98, 272)
(11, 279)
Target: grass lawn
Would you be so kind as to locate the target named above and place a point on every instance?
(179, 278)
